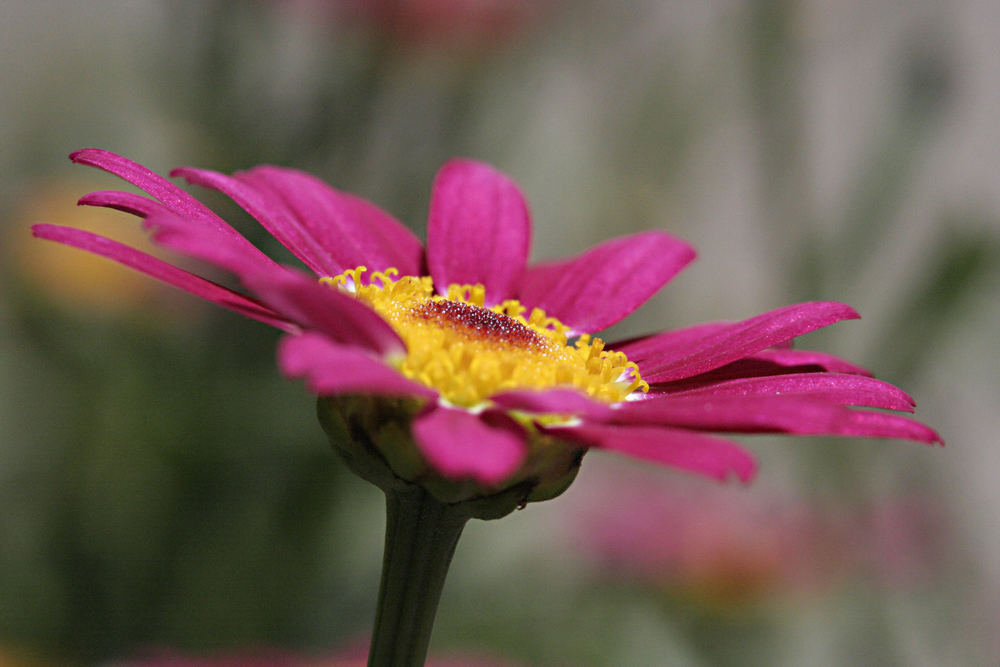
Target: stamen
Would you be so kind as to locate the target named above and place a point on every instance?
(469, 352)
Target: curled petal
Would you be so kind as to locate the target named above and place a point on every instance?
(151, 266)
(175, 199)
(348, 231)
(676, 448)
(129, 202)
(772, 414)
(606, 283)
(722, 345)
(838, 388)
(478, 229)
(488, 447)
(331, 369)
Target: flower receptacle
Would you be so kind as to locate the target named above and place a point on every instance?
(372, 436)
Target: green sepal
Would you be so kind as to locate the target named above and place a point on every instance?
(372, 436)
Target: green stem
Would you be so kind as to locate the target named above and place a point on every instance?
(421, 533)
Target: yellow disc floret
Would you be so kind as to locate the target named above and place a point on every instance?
(468, 352)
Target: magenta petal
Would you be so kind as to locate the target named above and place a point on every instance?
(296, 296)
(838, 388)
(554, 401)
(348, 231)
(331, 369)
(770, 362)
(341, 317)
(488, 448)
(176, 199)
(827, 362)
(772, 414)
(723, 345)
(160, 270)
(129, 202)
(478, 229)
(606, 283)
(271, 212)
(643, 347)
(186, 236)
(676, 448)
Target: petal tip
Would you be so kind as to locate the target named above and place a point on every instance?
(81, 155)
(748, 472)
(92, 156)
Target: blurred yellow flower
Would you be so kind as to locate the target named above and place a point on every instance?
(73, 280)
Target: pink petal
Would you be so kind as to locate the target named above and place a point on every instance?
(348, 230)
(723, 345)
(176, 199)
(331, 369)
(772, 414)
(761, 364)
(478, 229)
(160, 270)
(487, 448)
(838, 388)
(554, 401)
(221, 240)
(296, 296)
(643, 347)
(676, 448)
(129, 202)
(827, 362)
(606, 283)
(271, 212)
(186, 236)
(341, 317)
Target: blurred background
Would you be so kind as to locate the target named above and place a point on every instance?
(166, 496)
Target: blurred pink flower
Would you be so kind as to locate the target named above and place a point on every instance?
(728, 548)
(497, 352)
(435, 24)
(718, 545)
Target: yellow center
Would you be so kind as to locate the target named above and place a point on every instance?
(468, 352)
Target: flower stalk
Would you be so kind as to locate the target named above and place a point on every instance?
(421, 534)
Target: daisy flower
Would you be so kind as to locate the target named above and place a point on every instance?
(469, 370)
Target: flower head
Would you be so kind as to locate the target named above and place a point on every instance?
(468, 370)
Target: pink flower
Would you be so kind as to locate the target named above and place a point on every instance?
(715, 545)
(727, 549)
(480, 344)
(435, 24)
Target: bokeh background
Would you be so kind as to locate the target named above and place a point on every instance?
(166, 496)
